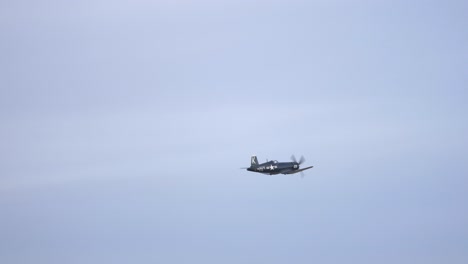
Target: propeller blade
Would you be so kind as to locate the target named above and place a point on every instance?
(302, 175)
(301, 160)
(293, 158)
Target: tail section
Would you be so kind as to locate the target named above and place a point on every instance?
(253, 161)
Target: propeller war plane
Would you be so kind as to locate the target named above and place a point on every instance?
(273, 167)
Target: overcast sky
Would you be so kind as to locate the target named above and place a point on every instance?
(123, 125)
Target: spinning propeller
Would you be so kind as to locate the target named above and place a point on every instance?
(293, 158)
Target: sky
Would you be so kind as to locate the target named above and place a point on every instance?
(124, 125)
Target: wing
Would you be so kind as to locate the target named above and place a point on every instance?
(296, 171)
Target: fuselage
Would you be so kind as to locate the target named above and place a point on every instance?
(274, 167)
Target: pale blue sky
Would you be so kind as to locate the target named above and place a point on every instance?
(124, 125)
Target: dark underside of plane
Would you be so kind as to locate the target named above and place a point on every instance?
(273, 167)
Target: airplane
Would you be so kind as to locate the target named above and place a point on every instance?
(273, 167)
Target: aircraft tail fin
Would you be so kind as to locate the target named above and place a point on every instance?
(253, 161)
